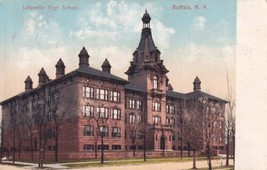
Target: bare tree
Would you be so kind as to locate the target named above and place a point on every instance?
(13, 119)
(41, 111)
(29, 125)
(60, 104)
(193, 127)
(2, 145)
(211, 131)
(101, 119)
(230, 121)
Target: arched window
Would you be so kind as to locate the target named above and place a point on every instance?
(155, 82)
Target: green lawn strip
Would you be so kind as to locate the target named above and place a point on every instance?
(130, 162)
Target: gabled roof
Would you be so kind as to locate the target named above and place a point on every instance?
(198, 94)
(98, 73)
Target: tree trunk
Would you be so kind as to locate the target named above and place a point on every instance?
(188, 149)
(56, 149)
(181, 148)
(133, 145)
(144, 147)
(40, 147)
(95, 151)
(227, 147)
(102, 150)
(31, 146)
(181, 141)
(234, 148)
(209, 158)
(194, 159)
(2, 135)
(13, 153)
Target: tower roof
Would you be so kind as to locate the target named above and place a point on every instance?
(197, 80)
(146, 43)
(60, 63)
(146, 17)
(106, 63)
(28, 80)
(42, 72)
(197, 83)
(84, 53)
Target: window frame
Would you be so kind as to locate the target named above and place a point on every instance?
(88, 130)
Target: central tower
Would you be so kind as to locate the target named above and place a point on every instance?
(148, 74)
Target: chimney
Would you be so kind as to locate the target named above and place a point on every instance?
(28, 83)
(84, 58)
(43, 78)
(60, 68)
(106, 66)
(197, 83)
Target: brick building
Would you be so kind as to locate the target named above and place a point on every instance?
(81, 103)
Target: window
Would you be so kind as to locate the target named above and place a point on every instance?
(131, 104)
(139, 119)
(156, 106)
(88, 92)
(170, 109)
(116, 114)
(101, 94)
(49, 148)
(138, 105)
(102, 112)
(172, 121)
(105, 147)
(220, 124)
(116, 132)
(88, 130)
(131, 118)
(116, 147)
(87, 147)
(88, 111)
(103, 131)
(115, 96)
(155, 82)
(180, 110)
(49, 134)
(156, 119)
(140, 135)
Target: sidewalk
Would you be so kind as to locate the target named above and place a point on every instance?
(155, 166)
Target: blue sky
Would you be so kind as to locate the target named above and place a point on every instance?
(192, 42)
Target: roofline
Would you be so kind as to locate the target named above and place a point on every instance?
(72, 73)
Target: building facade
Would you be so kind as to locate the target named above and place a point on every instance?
(75, 112)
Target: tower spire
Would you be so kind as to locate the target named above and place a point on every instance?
(146, 56)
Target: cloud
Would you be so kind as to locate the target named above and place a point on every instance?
(209, 63)
(41, 30)
(117, 22)
(31, 57)
(199, 23)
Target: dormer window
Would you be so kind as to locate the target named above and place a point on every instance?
(155, 82)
